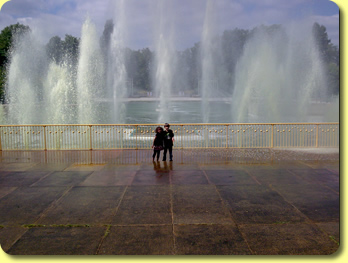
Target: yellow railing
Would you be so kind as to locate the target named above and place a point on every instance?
(140, 136)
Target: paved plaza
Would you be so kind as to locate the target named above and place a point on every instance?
(205, 202)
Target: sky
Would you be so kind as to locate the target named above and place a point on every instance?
(141, 19)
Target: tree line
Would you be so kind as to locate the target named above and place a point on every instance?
(139, 63)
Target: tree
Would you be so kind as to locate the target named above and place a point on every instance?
(54, 49)
(105, 38)
(333, 79)
(71, 48)
(322, 41)
(60, 50)
(2, 84)
(329, 53)
(7, 37)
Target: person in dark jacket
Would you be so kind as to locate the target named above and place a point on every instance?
(157, 144)
(168, 142)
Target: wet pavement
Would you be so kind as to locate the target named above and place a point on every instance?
(205, 202)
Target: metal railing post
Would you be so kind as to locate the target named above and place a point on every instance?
(317, 137)
(227, 136)
(45, 138)
(136, 137)
(90, 137)
(182, 135)
(272, 134)
(0, 141)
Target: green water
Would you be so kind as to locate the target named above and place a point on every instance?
(179, 112)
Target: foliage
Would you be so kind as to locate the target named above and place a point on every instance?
(139, 67)
(2, 83)
(58, 50)
(330, 55)
(7, 37)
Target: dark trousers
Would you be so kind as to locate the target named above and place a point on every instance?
(170, 149)
(156, 153)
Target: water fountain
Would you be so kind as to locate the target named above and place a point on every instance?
(116, 71)
(54, 92)
(278, 78)
(209, 55)
(89, 73)
(60, 93)
(25, 76)
(165, 62)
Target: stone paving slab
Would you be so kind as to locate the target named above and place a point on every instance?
(229, 177)
(18, 179)
(41, 167)
(9, 235)
(16, 167)
(204, 202)
(85, 205)
(62, 179)
(139, 240)
(145, 205)
(6, 190)
(109, 178)
(190, 177)
(332, 229)
(209, 239)
(317, 202)
(320, 176)
(250, 204)
(121, 167)
(59, 241)
(276, 176)
(84, 167)
(25, 204)
(287, 239)
(148, 177)
(198, 204)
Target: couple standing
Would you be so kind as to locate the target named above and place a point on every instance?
(163, 140)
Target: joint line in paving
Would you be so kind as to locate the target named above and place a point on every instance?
(53, 204)
(172, 211)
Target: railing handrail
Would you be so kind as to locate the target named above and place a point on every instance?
(172, 124)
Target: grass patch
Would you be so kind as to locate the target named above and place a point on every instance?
(333, 239)
(70, 225)
(280, 223)
(107, 231)
(33, 225)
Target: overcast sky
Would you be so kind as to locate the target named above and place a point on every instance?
(59, 17)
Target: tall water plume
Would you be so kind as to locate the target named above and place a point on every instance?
(26, 73)
(277, 77)
(209, 56)
(60, 93)
(116, 70)
(89, 75)
(165, 60)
